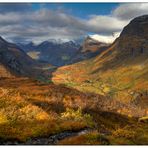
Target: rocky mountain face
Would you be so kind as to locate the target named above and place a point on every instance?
(14, 61)
(131, 46)
(134, 37)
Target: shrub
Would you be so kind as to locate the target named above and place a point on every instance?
(76, 115)
(124, 133)
(72, 114)
(3, 118)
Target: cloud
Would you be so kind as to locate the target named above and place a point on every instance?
(105, 39)
(43, 24)
(95, 23)
(129, 11)
(105, 24)
(9, 18)
(21, 22)
(53, 18)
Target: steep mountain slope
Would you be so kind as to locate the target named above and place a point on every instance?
(4, 72)
(121, 71)
(14, 61)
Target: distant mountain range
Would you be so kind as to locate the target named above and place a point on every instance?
(62, 53)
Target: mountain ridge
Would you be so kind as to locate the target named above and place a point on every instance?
(64, 53)
(15, 62)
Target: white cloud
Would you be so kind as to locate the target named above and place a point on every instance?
(105, 39)
(9, 18)
(131, 10)
(105, 24)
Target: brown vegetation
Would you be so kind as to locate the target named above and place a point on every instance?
(30, 108)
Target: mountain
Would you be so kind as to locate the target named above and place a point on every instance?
(55, 53)
(15, 62)
(121, 71)
(92, 45)
(27, 47)
(89, 49)
(62, 53)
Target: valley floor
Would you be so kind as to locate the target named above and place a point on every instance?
(32, 110)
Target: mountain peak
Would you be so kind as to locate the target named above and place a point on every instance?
(137, 27)
(88, 38)
(142, 18)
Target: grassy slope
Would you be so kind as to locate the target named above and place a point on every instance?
(112, 73)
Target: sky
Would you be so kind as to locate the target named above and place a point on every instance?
(37, 22)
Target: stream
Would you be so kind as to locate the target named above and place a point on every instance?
(51, 140)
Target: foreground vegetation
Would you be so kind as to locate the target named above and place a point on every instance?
(33, 109)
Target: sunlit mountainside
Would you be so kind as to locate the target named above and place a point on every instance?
(120, 71)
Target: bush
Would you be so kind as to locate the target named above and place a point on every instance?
(76, 115)
(71, 114)
(124, 133)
